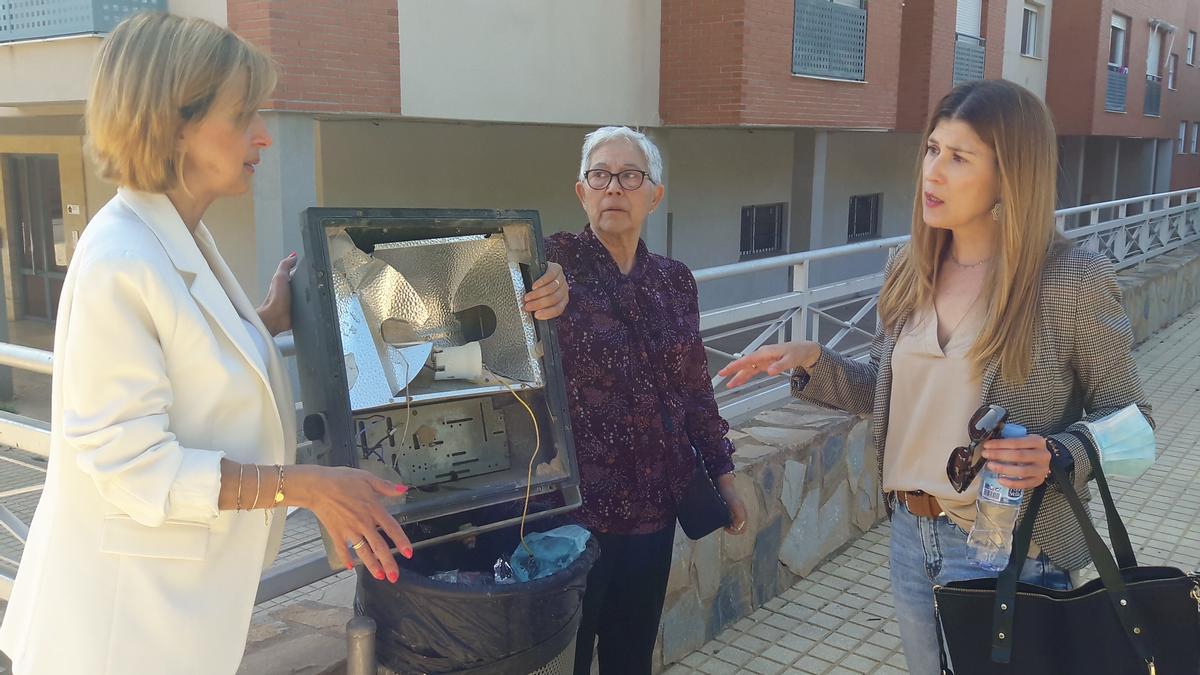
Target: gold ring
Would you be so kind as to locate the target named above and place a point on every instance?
(361, 543)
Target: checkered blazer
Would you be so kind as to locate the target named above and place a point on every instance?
(1083, 369)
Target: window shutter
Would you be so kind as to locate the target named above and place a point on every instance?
(968, 19)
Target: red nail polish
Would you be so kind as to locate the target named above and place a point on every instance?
(406, 552)
(293, 255)
(349, 566)
(378, 576)
(401, 489)
(393, 577)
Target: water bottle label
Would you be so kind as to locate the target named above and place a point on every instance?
(994, 492)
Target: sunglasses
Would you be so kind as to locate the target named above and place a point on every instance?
(985, 424)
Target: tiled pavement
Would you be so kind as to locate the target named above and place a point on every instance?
(839, 620)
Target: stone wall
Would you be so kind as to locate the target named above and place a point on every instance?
(1158, 291)
(808, 477)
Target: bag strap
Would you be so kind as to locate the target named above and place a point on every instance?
(1114, 586)
(1116, 527)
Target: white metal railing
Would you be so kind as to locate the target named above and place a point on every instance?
(839, 315)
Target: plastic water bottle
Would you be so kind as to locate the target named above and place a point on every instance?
(990, 541)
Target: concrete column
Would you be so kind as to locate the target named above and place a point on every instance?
(655, 232)
(1070, 175)
(818, 237)
(1164, 154)
(285, 185)
(801, 217)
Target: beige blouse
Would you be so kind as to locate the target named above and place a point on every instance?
(934, 393)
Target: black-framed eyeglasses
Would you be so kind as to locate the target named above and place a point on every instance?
(985, 424)
(629, 179)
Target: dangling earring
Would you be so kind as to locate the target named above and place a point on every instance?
(996, 212)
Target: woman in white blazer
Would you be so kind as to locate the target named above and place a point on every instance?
(172, 423)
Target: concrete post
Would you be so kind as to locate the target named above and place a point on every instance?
(655, 232)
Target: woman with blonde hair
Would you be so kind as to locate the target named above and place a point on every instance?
(987, 305)
(172, 424)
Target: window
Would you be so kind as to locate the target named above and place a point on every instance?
(1191, 48)
(1154, 50)
(762, 230)
(1182, 137)
(864, 217)
(1195, 133)
(1117, 40)
(968, 14)
(1031, 40)
(1172, 67)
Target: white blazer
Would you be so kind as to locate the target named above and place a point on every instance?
(130, 568)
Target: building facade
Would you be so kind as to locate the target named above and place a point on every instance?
(786, 125)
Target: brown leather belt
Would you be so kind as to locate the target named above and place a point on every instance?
(920, 503)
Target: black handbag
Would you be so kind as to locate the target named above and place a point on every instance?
(701, 510)
(1131, 621)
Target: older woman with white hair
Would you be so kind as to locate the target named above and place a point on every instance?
(640, 397)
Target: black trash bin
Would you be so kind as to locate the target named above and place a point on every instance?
(429, 626)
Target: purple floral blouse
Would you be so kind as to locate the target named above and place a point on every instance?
(638, 386)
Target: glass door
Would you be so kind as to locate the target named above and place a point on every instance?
(38, 235)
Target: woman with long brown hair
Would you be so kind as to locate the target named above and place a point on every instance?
(987, 305)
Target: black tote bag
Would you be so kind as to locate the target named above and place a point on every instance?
(1131, 621)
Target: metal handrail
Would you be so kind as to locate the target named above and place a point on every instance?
(1126, 239)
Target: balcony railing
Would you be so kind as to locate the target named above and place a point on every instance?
(968, 58)
(1153, 101)
(1118, 84)
(829, 40)
(42, 19)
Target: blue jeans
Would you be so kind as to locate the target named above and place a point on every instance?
(928, 551)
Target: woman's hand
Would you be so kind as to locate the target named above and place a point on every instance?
(348, 503)
(548, 299)
(1021, 462)
(772, 360)
(276, 309)
(737, 509)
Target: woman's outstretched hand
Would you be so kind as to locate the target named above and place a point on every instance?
(771, 360)
(348, 502)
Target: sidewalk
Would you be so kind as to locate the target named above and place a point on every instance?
(839, 620)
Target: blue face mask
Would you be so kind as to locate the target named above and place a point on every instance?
(1125, 442)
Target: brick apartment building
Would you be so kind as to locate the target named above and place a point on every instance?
(786, 125)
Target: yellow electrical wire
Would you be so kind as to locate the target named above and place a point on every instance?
(533, 458)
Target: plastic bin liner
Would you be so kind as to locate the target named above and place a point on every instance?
(429, 626)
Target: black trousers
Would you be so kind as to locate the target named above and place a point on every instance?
(624, 602)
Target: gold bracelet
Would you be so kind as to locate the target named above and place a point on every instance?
(257, 486)
(239, 492)
(279, 496)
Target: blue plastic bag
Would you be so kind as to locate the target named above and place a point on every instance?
(552, 551)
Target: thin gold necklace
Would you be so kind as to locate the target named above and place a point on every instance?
(967, 267)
